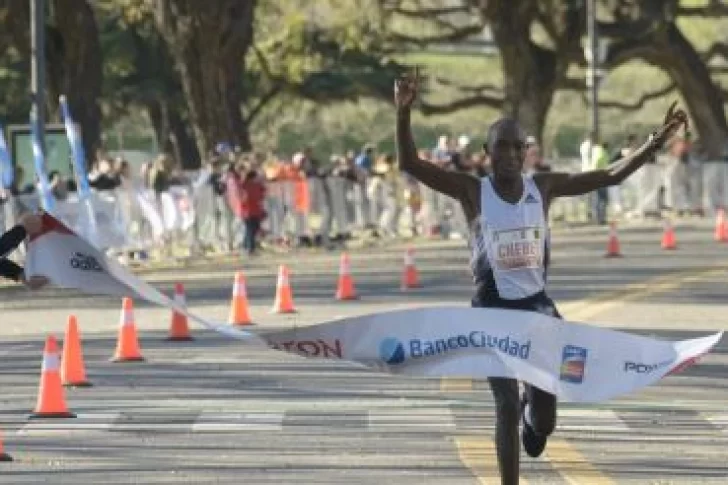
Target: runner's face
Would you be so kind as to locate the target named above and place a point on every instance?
(507, 150)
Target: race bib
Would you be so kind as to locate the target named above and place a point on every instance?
(517, 248)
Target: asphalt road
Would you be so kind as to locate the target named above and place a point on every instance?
(215, 411)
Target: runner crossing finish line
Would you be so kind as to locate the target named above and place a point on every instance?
(572, 361)
(508, 216)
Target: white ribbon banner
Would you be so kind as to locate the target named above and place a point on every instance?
(576, 362)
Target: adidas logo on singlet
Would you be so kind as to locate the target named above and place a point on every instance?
(530, 199)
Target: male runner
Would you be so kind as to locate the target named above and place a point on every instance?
(508, 215)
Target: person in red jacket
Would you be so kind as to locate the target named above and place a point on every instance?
(252, 205)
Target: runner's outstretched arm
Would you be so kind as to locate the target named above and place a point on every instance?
(569, 184)
(449, 183)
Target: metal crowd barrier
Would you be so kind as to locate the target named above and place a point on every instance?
(135, 220)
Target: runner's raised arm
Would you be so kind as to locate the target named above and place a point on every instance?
(449, 183)
(569, 184)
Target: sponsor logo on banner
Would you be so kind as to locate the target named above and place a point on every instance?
(393, 352)
(573, 364)
(312, 348)
(85, 262)
(640, 368)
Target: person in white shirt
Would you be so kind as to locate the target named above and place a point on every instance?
(510, 243)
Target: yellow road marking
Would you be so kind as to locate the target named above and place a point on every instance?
(478, 455)
(572, 465)
(456, 384)
(590, 307)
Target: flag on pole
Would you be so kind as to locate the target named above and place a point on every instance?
(39, 159)
(87, 220)
(6, 165)
(79, 155)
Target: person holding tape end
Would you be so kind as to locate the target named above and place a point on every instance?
(28, 225)
(508, 213)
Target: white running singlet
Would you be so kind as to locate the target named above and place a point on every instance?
(512, 240)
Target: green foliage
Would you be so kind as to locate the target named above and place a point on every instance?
(329, 67)
(137, 67)
(321, 57)
(14, 96)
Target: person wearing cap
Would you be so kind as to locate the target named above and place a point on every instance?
(28, 225)
(510, 245)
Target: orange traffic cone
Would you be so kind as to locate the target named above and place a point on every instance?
(410, 277)
(613, 243)
(4, 456)
(51, 399)
(73, 370)
(178, 328)
(284, 298)
(239, 314)
(345, 287)
(127, 344)
(668, 236)
(721, 227)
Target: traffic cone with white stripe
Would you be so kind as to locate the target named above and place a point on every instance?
(284, 297)
(721, 227)
(4, 456)
(51, 398)
(410, 277)
(179, 330)
(345, 287)
(127, 345)
(613, 250)
(239, 313)
(73, 370)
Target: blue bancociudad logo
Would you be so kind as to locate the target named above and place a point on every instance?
(393, 351)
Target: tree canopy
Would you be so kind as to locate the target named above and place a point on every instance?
(256, 74)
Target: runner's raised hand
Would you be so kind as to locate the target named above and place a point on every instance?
(405, 90)
(674, 119)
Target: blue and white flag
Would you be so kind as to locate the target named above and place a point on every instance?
(6, 165)
(88, 216)
(47, 199)
(79, 155)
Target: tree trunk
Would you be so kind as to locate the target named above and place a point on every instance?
(703, 99)
(668, 49)
(75, 68)
(185, 146)
(209, 42)
(157, 112)
(531, 73)
(530, 83)
(647, 30)
(172, 133)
